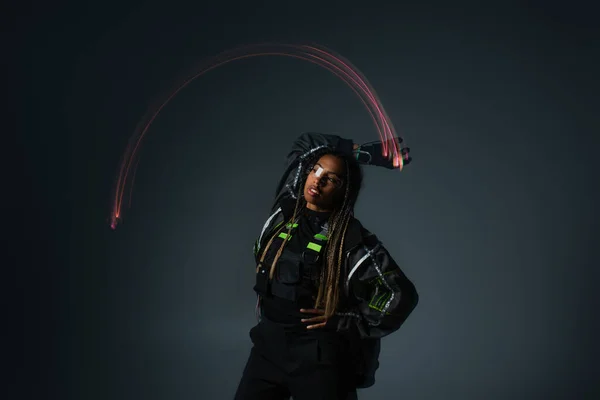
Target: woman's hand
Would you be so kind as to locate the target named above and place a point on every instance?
(372, 153)
(315, 322)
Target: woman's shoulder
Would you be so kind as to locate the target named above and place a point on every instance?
(358, 234)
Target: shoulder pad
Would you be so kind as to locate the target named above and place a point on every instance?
(368, 238)
(358, 234)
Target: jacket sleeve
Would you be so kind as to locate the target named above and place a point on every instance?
(302, 149)
(381, 296)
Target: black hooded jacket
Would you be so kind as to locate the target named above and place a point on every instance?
(378, 297)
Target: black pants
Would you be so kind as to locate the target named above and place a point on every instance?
(309, 366)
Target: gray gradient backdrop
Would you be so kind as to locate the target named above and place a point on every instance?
(495, 221)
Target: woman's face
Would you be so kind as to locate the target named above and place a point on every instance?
(324, 184)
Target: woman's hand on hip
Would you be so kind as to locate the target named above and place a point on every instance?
(315, 322)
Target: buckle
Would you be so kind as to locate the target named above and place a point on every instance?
(311, 258)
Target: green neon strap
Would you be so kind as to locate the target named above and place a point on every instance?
(314, 246)
(318, 236)
(284, 235)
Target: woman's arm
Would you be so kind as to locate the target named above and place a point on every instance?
(287, 188)
(382, 296)
(310, 142)
(302, 149)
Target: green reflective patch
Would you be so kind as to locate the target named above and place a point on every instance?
(379, 301)
(320, 237)
(291, 226)
(284, 235)
(314, 246)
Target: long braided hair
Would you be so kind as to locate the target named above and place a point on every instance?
(330, 277)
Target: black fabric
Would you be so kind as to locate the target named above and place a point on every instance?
(286, 361)
(294, 282)
(378, 275)
(262, 380)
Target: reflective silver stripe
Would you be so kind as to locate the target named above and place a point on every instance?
(358, 264)
(347, 314)
(356, 267)
(291, 192)
(265, 227)
(308, 153)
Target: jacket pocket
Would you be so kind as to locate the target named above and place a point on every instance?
(288, 268)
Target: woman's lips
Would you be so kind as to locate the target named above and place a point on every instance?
(313, 191)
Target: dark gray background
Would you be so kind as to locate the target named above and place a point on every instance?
(496, 220)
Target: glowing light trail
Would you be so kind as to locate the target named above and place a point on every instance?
(321, 56)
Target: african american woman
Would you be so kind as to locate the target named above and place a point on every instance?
(328, 290)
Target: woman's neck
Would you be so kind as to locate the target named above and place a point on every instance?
(315, 208)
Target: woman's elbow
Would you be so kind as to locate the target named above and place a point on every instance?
(410, 297)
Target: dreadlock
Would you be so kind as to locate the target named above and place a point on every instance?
(330, 278)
